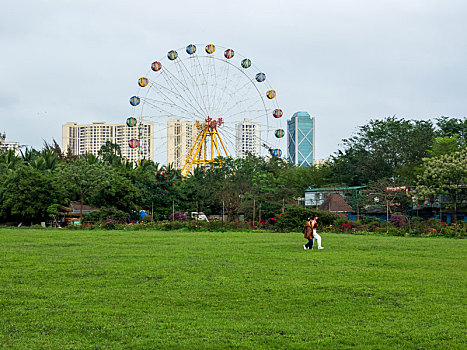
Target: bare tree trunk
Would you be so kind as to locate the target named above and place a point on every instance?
(454, 202)
(81, 208)
(254, 210)
(259, 214)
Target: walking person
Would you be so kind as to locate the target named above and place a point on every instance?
(308, 234)
(314, 225)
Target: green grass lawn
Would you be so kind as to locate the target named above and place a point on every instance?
(63, 289)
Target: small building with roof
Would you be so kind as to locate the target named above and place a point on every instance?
(334, 203)
(71, 214)
(314, 197)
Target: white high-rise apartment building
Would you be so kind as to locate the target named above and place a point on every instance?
(181, 136)
(5, 146)
(247, 138)
(89, 138)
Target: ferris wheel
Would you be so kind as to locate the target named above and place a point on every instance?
(205, 102)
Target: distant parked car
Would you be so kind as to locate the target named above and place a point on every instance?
(199, 216)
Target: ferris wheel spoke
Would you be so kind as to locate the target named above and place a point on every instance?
(234, 107)
(181, 68)
(248, 103)
(207, 75)
(174, 86)
(158, 108)
(224, 88)
(253, 85)
(231, 85)
(261, 140)
(194, 78)
(209, 78)
(226, 108)
(168, 113)
(213, 75)
(188, 83)
(226, 74)
(171, 95)
(170, 104)
(236, 95)
(205, 82)
(259, 113)
(166, 92)
(228, 103)
(201, 82)
(193, 82)
(260, 117)
(163, 116)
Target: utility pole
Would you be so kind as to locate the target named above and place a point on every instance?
(358, 212)
(283, 205)
(387, 215)
(440, 211)
(254, 203)
(259, 212)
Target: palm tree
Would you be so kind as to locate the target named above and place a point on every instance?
(9, 161)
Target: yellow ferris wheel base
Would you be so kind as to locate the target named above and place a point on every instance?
(207, 147)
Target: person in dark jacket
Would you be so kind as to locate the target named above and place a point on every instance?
(308, 234)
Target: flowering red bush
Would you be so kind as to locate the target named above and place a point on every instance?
(348, 226)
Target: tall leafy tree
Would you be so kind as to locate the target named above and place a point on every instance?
(111, 154)
(26, 193)
(9, 161)
(388, 148)
(448, 127)
(55, 148)
(114, 190)
(81, 178)
(445, 145)
(445, 175)
(300, 178)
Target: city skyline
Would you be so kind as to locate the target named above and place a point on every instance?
(180, 136)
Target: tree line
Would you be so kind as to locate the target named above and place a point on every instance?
(428, 154)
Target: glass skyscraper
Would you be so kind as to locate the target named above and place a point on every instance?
(301, 139)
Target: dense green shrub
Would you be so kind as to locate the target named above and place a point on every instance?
(370, 220)
(105, 214)
(294, 218)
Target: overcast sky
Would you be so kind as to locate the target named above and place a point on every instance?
(344, 62)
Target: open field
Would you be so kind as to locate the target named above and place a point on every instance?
(146, 289)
